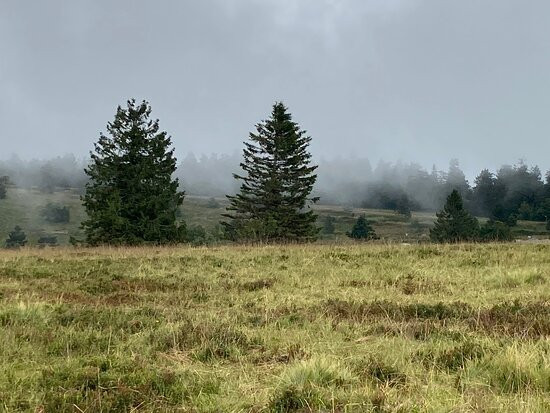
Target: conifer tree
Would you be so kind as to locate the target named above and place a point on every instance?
(16, 238)
(362, 229)
(131, 197)
(454, 223)
(4, 181)
(278, 178)
(403, 206)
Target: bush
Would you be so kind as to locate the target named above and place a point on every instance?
(495, 231)
(55, 213)
(17, 238)
(47, 241)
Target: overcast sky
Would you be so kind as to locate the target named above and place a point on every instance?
(395, 79)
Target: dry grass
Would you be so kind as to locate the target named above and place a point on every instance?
(376, 328)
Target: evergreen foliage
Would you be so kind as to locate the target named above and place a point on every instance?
(454, 223)
(275, 190)
(4, 181)
(403, 206)
(495, 231)
(56, 213)
(16, 238)
(362, 230)
(47, 241)
(131, 197)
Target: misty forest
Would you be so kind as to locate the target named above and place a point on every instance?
(138, 158)
(276, 206)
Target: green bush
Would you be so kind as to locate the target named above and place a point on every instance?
(56, 214)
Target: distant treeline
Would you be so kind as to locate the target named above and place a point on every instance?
(512, 192)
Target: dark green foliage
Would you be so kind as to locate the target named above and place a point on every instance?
(131, 197)
(17, 238)
(362, 229)
(328, 225)
(385, 195)
(495, 231)
(56, 213)
(276, 187)
(486, 193)
(454, 223)
(403, 206)
(197, 235)
(519, 191)
(47, 241)
(4, 181)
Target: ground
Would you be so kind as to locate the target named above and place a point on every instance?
(353, 328)
(23, 208)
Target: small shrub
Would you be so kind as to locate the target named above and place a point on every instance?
(495, 231)
(17, 238)
(47, 241)
(57, 214)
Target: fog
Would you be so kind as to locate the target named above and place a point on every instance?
(416, 80)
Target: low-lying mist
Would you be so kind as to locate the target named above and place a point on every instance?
(341, 181)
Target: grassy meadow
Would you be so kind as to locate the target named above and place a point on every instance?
(315, 328)
(23, 207)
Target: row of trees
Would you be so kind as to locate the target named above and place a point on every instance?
(132, 197)
(455, 224)
(510, 193)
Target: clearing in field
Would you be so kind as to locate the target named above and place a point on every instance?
(276, 329)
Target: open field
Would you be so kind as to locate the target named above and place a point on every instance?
(353, 328)
(23, 207)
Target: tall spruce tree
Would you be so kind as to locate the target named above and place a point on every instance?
(131, 197)
(454, 223)
(276, 187)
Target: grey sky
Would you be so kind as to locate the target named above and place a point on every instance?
(410, 79)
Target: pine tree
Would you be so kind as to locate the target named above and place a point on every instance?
(362, 229)
(131, 197)
(276, 186)
(17, 238)
(403, 206)
(4, 181)
(454, 223)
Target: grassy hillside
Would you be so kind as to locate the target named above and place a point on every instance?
(276, 329)
(23, 207)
